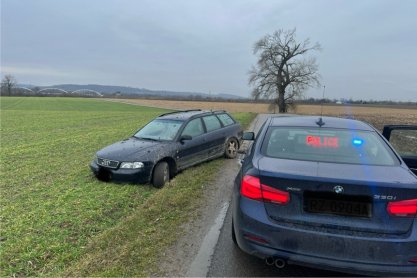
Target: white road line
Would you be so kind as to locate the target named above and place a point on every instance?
(200, 265)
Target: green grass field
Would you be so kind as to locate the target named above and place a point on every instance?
(56, 218)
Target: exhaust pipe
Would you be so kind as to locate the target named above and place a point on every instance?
(280, 263)
(269, 260)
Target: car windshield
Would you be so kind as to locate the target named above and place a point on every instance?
(159, 130)
(328, 145)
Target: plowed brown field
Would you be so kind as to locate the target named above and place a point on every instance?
(377, 116)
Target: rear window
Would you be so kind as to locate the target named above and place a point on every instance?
(225, 119)
(328, 145)
(212, 123)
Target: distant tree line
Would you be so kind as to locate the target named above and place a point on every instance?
(9, 88)
(316, 101)
(354, 101)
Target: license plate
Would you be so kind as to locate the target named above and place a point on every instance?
(338, 206)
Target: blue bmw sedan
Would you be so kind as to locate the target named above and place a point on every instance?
(328, 193)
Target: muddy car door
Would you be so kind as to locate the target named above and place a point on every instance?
(216, 136)
(192, 144)
(404, 139)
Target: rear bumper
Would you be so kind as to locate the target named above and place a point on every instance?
(336, 252)
(331, 265)
(142, 175)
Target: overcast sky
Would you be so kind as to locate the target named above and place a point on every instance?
(369, 46)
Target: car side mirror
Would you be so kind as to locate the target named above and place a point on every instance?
(185, 138)
(249, 136)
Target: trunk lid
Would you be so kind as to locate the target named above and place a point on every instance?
(370, 186)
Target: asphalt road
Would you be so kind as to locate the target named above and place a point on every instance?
(229, 261)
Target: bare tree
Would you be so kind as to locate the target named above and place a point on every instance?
(7, 84)
(283, 71)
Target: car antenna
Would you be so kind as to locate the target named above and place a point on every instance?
(320, 122)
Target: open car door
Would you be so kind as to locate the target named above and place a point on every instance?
(404, 139)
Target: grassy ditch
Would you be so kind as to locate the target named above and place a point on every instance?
(134, 246)
(56, 218)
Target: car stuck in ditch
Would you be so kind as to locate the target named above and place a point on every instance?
(170, 143)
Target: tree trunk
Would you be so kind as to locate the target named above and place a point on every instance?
(281, 102)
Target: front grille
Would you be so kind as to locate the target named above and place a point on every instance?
(107, 162)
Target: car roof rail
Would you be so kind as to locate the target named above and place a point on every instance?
(180, 111)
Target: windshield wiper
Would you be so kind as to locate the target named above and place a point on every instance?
(147, 138)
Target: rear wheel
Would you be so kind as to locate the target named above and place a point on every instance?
(160, 174)
(231, 148)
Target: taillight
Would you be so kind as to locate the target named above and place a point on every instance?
(252, 188)
(274, 195)
(406, 208)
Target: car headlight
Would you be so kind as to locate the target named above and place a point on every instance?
(132, 165)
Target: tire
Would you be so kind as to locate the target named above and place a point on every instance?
(160, 174)
(231, 148)
(233, 234)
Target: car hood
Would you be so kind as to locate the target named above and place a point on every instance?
(132, 149)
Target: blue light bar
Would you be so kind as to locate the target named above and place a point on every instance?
(357, 142)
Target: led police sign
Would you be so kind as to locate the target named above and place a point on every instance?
(322, 141)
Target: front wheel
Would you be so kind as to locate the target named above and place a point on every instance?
(160, 174)
(231, 148)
